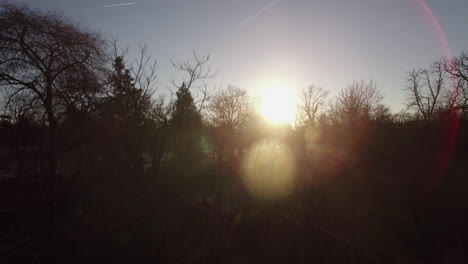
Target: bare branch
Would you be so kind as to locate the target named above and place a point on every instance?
(357, 102)
(425, 86)
(311, 99)
(144, 71)
(229, 108)
(196, 71)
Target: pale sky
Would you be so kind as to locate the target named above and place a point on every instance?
(257, 43)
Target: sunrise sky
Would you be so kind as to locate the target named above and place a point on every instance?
(260, 43)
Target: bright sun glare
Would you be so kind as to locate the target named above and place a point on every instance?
(277, 105)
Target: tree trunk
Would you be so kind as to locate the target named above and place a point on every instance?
(52, 172)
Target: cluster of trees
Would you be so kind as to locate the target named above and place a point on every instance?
(157, 177)
(441, 87)
(431, 92)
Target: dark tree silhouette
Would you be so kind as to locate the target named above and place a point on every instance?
(41, 54)
(457, 94)
(356, 102)
(425, 89)
(186, 123)
(229, 108)
(197, 70)
(129, 110)
(228, 112)
(311, 100)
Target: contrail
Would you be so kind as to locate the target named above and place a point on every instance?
(115, 5)
(244, 23)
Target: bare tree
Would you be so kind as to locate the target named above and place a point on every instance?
(229, 108)
(425, 87)
(39, 54)
(144, 71)
(457, 96)
(197, 71)
(227, 113)
(311, 99)
(143, 68)
(403, 116)
(21, 106)
(462, 98)
(356, 102)
(460, 66)
(382, 114)
(135, 98)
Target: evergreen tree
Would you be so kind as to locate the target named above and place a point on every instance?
(128, 109)
(184, 113)
(130, 106)
(186, 123)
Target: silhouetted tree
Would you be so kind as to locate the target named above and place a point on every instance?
(357, 102)
(40, 51)
(425, 89)
(227, 113)
(457, 94)
(129, 110)
(382, 114)
(197, 71)
(158, 136)
(186, 123)
(404, 116)
(311, 99)
(229, 108)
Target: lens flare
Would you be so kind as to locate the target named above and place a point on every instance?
(268, 170)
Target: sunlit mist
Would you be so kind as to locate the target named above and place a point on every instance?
(268, 170)
(277, 105)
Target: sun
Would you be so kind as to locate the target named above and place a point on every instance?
(277, 105)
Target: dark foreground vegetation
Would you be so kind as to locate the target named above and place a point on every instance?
(97, 168)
